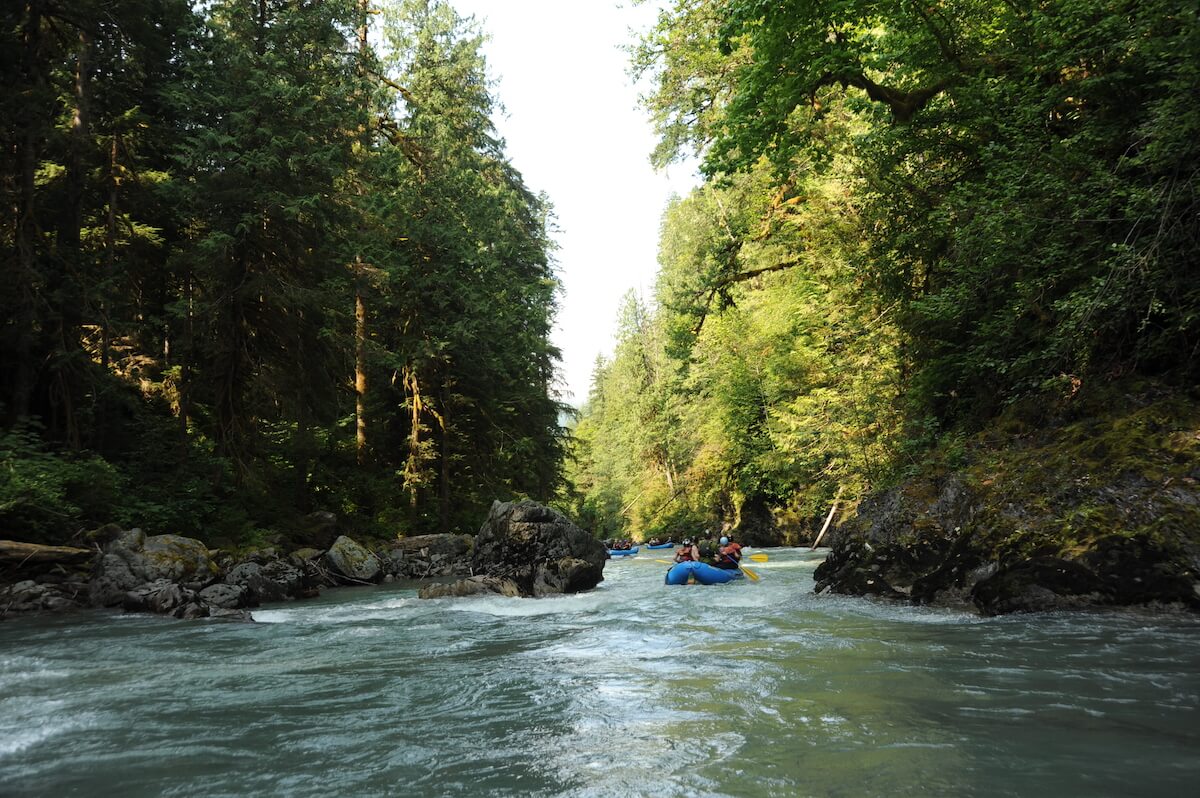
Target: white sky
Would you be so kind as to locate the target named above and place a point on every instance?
(574, 131)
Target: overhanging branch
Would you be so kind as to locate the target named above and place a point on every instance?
(904, 104)
(722, 285)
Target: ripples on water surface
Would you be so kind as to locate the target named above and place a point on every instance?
(634, 689)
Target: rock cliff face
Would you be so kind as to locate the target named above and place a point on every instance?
(526, 549)
(1092, 512)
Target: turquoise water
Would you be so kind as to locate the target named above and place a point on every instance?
(634, 689)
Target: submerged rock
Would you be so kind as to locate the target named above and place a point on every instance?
(470, 587)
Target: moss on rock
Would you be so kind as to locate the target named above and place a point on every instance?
(1113, 492)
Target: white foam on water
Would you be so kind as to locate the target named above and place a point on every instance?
(1095, 713)
(1004, 711)
(509, 607)
(14, 742)
(27, 723)
(880, 610)
(17, 670)
(385, 610)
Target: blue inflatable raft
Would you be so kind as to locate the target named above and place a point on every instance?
(667, 545)
(622, 552)
(703, 573)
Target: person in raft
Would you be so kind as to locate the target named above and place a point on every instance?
(688, 552)
(729, 555)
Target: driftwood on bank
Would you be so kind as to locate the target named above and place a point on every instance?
(828, 518)
(14, 551)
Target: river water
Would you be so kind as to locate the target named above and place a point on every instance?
(634, 689)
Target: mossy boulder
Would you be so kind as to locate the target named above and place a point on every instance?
(1096, 507)
(351, 564)
(132, 559)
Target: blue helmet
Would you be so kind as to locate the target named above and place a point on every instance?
(724, 540)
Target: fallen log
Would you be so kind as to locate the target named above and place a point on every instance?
(828, 518)
(15, 551)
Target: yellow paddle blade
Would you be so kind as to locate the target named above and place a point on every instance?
(757, 557)
(665, 562)
(753, 576)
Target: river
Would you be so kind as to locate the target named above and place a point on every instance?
(634, 689)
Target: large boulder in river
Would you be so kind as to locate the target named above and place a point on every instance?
(429, 555)
(132, 559)
(351, 564)
(538, 549)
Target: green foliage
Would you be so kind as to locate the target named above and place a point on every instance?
(198, 198)
(46, 497)
(916, 216)
(760, 377)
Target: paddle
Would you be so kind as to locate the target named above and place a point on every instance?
(753, 576)
(757, 557)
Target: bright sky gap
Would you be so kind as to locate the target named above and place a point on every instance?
(574, 130)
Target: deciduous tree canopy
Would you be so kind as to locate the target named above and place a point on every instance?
(915, 215)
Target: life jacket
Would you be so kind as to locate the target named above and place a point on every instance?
(684, 555)
(731, 555)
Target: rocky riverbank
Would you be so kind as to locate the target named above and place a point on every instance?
(1059, 507)
(532, 548)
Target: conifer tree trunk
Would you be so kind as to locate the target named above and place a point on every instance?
(412, 464)
(186, 358)
(110, 249)
(360, 307)
(444, 482)
(70, 253)
(360, 364)
(25, 378)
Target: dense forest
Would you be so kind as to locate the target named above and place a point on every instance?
(264, 258)
(916, 218)
(268, 257)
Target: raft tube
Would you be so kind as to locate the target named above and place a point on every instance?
(667, 545)
(622, 552)
(704, 574)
